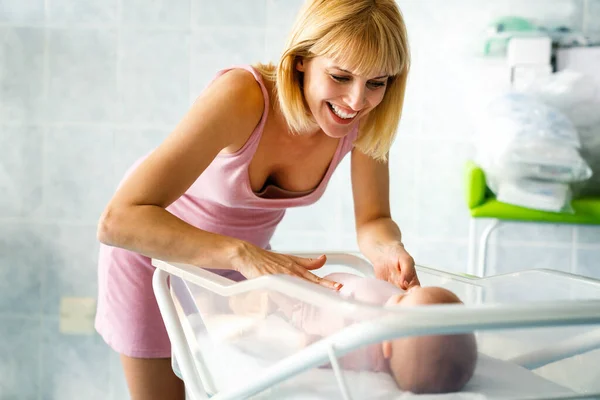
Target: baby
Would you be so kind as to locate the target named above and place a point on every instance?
(419, 364)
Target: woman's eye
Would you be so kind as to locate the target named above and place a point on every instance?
(376, 85)
(339, 78)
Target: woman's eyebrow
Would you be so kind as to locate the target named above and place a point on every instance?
(348, 72)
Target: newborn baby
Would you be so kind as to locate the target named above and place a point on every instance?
(419, 364)
(426, 364)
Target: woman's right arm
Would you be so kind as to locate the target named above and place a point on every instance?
(223, 117)
(135, 219)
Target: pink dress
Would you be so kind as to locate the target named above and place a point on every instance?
(220, 201)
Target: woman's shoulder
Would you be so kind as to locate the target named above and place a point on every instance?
(241, 81)
(241, 105)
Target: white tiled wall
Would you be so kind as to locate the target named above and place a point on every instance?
(88, 86)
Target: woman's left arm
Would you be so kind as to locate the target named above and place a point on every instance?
(379, 237)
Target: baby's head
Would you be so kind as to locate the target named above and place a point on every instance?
(431, 364)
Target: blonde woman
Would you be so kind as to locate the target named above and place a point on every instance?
(258, 140)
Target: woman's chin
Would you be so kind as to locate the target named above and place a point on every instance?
(335, 130)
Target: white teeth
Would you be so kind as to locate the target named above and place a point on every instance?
(341, 113)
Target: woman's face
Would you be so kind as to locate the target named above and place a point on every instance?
(337, 98)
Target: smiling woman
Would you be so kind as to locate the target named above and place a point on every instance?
(257, 141)
(369, 39)
(344, 99)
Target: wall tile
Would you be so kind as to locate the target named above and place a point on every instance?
(79, 175)
(161, 12)
(19, 358)
(592, 18)
(411, 122)
(238, 13)
(404, 195)
(281, 14)
(131, 144)
(347, 243)
(567, 13)
(216, 49)
(444, 256)
(456, 109)
(23, 254)
(21, 73)
(290, 242)
(153, 77)
(18, 11)
(82, 75)
(21, 171)
(341, 182)
(71, 269)
(118, 384)
(433, 24)
(475, 14)
(74, 12)
(73, 364)
(274, 44)
(442, 211)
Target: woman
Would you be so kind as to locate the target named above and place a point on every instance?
(257, 141)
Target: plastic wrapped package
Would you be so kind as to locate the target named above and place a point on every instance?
(517, 133)
(571, 92)
(540, 195)
(542, 160)
(517, 116)
(530, 153)
(577, 96)
(590, 151)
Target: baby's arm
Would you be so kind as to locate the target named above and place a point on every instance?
(365, 289)
(312, 319)
(320, 321)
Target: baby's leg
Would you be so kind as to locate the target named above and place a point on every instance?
(152, 379)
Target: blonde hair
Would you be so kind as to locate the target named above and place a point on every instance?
(366, 37)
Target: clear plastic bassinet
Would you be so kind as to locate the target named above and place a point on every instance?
(537, 332)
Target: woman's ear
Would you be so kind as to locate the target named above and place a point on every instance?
(300, 64)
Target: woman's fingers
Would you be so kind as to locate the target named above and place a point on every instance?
(320, 281)
(307, 264)
(408, 273)
(311, 263)
(330, 284)
(414, 282)
(276, 263)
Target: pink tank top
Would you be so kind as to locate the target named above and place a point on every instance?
(221, 200)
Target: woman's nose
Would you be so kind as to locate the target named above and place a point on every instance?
(356, 97)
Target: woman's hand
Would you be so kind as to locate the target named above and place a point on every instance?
(396, 266)
(252, 261)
